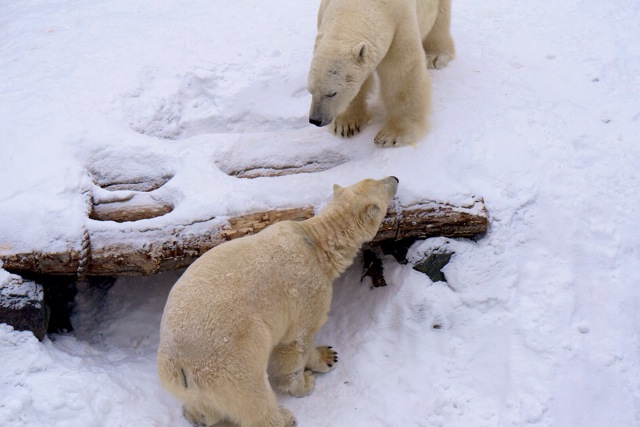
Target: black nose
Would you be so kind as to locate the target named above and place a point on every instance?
(315, 122)
(397, 180)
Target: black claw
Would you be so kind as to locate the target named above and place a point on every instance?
(330, 365)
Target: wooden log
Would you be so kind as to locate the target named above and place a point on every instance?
(131, 210)
(152, 251)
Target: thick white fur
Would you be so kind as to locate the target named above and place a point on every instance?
(397, 39)
(252, 306)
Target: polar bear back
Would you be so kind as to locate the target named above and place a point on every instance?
(267, 279)
(382, 12)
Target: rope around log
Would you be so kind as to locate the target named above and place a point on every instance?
(85, 255)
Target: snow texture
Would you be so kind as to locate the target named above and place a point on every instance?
(539, 114)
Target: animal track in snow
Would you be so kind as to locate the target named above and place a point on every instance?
(236, 164)
(211, 101)
(292, 168)
(126, 189)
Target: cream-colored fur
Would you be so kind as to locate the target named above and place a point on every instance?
(252, 306)
(397, 39)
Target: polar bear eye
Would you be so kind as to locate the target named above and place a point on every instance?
(331, 95)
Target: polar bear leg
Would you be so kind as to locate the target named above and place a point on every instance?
(260, 408)
(252, 403)
(406, 93)
(355, 117)
(438, 44)
(287, 368)
(322, 359)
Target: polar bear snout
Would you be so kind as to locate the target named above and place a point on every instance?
(317, 117)
(391, 183)
(316, 122)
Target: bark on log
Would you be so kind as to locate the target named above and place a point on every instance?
(152, 251)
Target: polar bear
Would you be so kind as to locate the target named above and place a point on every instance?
(251, 306)
(398, 40)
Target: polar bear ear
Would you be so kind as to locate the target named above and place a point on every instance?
(373, 210)
(337, 189)
(360, 51)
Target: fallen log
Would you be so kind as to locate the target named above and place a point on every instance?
(147, 252)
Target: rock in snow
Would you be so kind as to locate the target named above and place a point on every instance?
(22, 304)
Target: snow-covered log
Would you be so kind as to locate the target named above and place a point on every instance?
(151, 251)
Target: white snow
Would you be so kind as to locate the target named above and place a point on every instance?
(539, 114)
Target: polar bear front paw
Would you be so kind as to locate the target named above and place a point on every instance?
(349, 123)
(391, 136)
(322, 359)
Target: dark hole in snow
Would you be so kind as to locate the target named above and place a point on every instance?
(433, 264)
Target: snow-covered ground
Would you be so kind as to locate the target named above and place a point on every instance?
(539, 114)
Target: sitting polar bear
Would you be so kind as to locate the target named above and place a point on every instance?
(399, 39)
(253, 305)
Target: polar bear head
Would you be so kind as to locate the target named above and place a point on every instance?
(362, 206)
(335, 77)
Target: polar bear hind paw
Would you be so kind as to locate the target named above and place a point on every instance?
(305, 385)
(197, 419)
(287, 416)
(438, 60)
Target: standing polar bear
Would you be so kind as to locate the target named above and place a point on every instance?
(252, 306)
(397, 39)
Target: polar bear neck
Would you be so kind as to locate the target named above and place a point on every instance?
(339, 234)
(336, 29)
